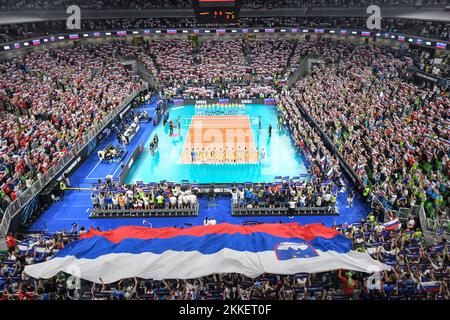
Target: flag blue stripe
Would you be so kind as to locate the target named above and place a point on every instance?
(94, 247)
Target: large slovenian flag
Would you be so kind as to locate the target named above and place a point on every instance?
(172, 253)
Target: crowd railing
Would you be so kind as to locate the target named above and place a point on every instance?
(165, 212)
(284, 211)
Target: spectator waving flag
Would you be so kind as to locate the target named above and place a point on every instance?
(391, 225)
(330, 172)
(430, 286)
(172, 253)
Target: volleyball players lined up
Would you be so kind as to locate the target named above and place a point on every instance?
(219, 109)
(227, 155)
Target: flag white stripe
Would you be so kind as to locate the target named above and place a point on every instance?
(193, 264)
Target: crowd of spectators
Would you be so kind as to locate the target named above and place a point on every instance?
(272, 4)
(269, 57)
(419, 271)
(111, 195)
(9, 5)
(49, 100)
(425, 61)
(431, 29)
(214, 68)
(231, 68)
(288, 195)
(391, 132)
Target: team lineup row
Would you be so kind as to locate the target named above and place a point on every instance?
(227, 155)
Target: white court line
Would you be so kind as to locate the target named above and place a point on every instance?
(70, 219)
(220, 117)
(118, 167)
(105, 176)
(227, 126)
(76, 205)
(93, 169)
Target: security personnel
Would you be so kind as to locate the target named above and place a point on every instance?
(366, 191)
(418, 234)
(151, 199)
(333, 200)
(62, 187)
(160, 201)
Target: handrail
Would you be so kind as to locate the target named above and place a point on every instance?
(25, 197)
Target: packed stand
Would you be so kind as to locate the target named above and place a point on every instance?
(391, 132)
(419, 271)
(272, 4)
(8, 5)
(111, 195)
(431, 29)
(49, 100)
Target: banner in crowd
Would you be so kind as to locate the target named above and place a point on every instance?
(173, 253)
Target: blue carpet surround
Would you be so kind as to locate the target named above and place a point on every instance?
(76, 205)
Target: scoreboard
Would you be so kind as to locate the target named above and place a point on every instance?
(217, 11)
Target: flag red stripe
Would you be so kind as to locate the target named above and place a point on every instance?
(288, 230)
